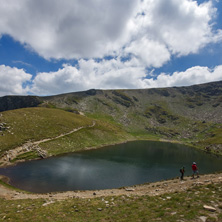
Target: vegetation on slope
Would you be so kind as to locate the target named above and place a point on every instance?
(36, 124)
(33, 124)
(103, 133)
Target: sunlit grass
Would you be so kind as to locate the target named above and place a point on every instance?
(33, 124)
(103, 133)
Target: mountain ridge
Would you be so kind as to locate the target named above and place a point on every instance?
(20, 101)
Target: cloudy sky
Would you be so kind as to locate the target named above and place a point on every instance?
(56, 46)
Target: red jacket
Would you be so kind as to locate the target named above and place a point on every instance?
(194, 167)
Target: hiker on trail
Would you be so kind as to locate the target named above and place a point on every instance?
(182, 171)
(195, 170)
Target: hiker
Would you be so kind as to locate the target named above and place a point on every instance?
(182, 171)
(195, 170)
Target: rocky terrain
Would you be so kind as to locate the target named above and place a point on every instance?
(160, 106)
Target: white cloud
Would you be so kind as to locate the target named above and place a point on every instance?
(67, 29)
(184, 26)
(139, 34)
(13, 80)
(115, 74)
(149, 30)
(149, 52)
(194, 75)
(165, 28)
(105, 74)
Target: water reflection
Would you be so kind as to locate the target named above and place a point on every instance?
(110, 167)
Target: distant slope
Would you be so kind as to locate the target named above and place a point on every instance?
(17, 102)
(199, 102)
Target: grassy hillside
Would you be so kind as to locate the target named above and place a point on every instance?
(34, 124)
(101, 134)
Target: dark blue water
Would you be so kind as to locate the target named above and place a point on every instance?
(110, 167)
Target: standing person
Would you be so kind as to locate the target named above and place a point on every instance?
(182, 171)
(195, 170)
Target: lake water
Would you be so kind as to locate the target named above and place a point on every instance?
(110, 167)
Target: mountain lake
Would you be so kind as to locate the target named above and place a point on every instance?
(114, 166)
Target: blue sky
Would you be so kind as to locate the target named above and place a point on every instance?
(50, 47)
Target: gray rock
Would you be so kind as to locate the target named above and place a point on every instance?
(129, 189)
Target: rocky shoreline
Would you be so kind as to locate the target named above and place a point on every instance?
(150, 189)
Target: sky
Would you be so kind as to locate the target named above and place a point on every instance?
(50, 47)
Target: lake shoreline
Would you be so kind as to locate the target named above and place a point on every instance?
(146, 175)
(149, 189)
(6, 162)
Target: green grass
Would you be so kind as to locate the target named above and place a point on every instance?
(184, 206)
(26, 156)
(33, 124)
(213, 141)
(103, 117)
(214, 137)
(7, 185)
(103, 133)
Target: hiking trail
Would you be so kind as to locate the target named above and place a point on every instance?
(5, 159)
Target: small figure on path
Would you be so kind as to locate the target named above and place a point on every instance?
(195, 170)
(182, 171)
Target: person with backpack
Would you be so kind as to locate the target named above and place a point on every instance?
(195, 170)
(182, 171)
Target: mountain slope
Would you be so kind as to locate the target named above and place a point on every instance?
(190, 115)
(199, 102)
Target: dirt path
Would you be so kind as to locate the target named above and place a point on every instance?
(5, 159)
(64, 134)
(151, 189)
